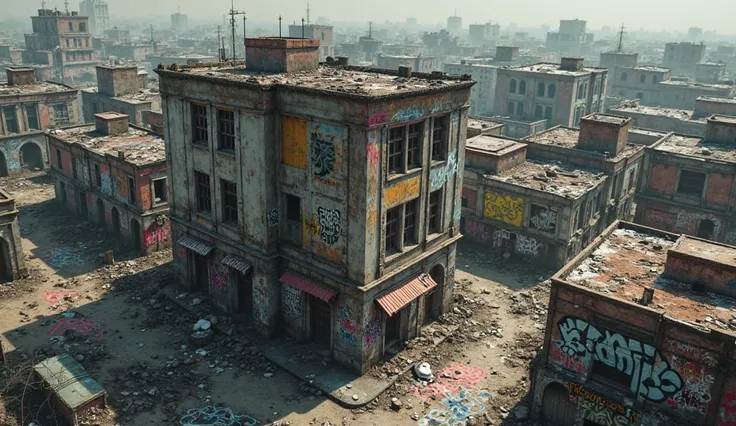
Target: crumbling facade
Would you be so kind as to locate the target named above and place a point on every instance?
(12, 259)
(113, 174)
(323, 33)
(682, 58)
(547, 197)
(122, 89)
(638, 82)
(27, 108)
(483, 94)
(688, 182)
(336, 219)
(639, 332)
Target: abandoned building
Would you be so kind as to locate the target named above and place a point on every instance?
(483, 94)
(549, 196)
(323, 33)
(336, 220)
(114, 174)
(27, 108)
(682, 58)
(561, 93)
(11, 249)
(418, 63)
(688, 182)
(122, 89)
(638, 82)
(640, 332)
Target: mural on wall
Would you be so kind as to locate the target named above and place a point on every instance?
(329, 224)
(544, 220)
(439, 175)
(220, 277)
(291, 299)
(504, 208)
(457, 408)
(599, 409)
(402, 191)
(695, 395)
(294, 142)
(346, 326)
(652, 376)
(156, 234)
(412, 110)
(372, 331)
(273, 218)
(327, 144)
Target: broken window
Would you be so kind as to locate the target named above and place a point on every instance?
(225, 130)
(132, 199)
(61, 114)
(204, 196)
(293, 206)
(413, 152)
(435, 200)
(540, 89)
(71, 27)
(706, 229)
(610, 374)
(410, 222)
(199, 124)
(32, 114)
(551, 90)
(691, 183)
(632, 179)
(522, 87)
(396, 149)
(392, 230)
(512, 86)
(439, 134)
(159, 190)
(11, 121)
(229, 202)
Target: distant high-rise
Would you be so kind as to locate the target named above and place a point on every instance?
(454, 25)
(98, 14)
(179, 21)
(695, 33)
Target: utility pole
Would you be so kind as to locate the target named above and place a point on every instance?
(66, 6)
(621, 39)
(232, 14)
(245, 35)
(280, 26)
(302, 28)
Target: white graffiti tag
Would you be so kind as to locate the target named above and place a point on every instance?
(329, 225)
(545, 221)
(527, 246)
(652, 377)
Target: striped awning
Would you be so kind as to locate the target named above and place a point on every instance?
(308, 286)
(236, 263)
(393, 301)
(195, 244)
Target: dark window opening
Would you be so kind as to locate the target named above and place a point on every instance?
(226, 130)
(392, 230)
(512, 86)
(414, 148)
(396, 149)
(632, 179)
(706, 229)
(98, 176)
(32, 114)
(522, 87)
(439, 133)
(229, 201)
(691, 183)
(551, 90)
(199, 124)
(642, 78)
(624, 76)
(510, 108)
(75, 172)
(540, 89)
(520, 109)
(435, 199)
(11, 121)
(204, 197)
(71, 27)
(548, 113)
(410, 223)
(611, 374)
(59, 163)
(131, 191)
(159, 190)
(538, 111)
(293, 208)
(61, 114)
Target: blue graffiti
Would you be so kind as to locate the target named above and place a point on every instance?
(457, 409)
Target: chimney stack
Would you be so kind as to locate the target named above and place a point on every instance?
(721, 129)
(111, 123)
(405, 71)
(604, 133)
(20, 76)
(571, 64)
(279, 55)
(647, 297)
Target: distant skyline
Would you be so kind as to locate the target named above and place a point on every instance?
(656, 15)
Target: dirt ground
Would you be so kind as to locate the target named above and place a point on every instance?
(134, 342)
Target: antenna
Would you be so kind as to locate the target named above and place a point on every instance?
(66, 6)
(308, 10)
(370, 29)
(279, 26)
(232, 14)
(153, 41)
(621, 39)
(43, 4)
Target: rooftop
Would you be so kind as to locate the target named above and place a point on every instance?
(482, 123)
(349, 80)
(651, 68)
(492, 144)
(32, 89)
(548, 68)
(697, 147)
(723, 118)
(717, 99)
(554, 177)
(607, 118)
(142, 96)
(140, 147)
(682, 114)
(699, 85)
(567, 137)
(629, 260)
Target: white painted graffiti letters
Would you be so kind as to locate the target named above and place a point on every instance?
(329, 225)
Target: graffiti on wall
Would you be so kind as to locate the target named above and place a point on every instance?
(410, 111)
(326, 145)
(652, 376)
(220, 276)
(659, 219)
(695, 395)
(346, 326)
(215, 416)
(260, 300)
(120, 184)
(544, 220)
(504, 208)
(155, 234)
(499, 236)
(372, 151)
(273, 218)
(372, 331)
(727, 410)
(527, 246)
(439, 175)
(329, 224)
(688, 223)
(457, 408)
(292, 301)
(600, 409)
(401, 191)
(294, 142)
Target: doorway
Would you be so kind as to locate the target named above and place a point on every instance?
(31, 157)
(393, 330)
(245, 293)
(706, 229)
(82, 202)
(201, 274)
(320, 321)
(3, 165)
(135, 233)
(5, 268)
(557, 410)
(100, 212)
(433, 299)
(115, 221)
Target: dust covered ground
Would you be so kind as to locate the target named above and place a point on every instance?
(134, 342)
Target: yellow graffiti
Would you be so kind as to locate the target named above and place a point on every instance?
(402, 191)
(294, 142)
(504, 208)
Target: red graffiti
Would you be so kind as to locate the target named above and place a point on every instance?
(378, 118)
(566, 361)
(156, 234)
(727, 411)
(82, 326)
(451, 379)
(54, 297)
(372, 155)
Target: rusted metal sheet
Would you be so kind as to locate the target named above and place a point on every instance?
(196, 245)
(393, 301)
(304, 284)
(236, 263)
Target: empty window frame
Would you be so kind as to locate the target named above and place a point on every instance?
(159, 190)
(439, 137)
(199, 124)
(691, 183)
(229, 201)
(203, 192)
(225, 130)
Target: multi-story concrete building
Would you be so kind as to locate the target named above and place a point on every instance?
(479, 34)
(122, 89)
(640, 83)
(571, 38)
(559, 93)
(455, 25)
(12, 259)
(323, 33)
(483, 94)
(611, 60)
(179, 21)
(656, 118)
(128, 51)
(639, 332)
(424, 64)
(336, 219)
(710, 72)
(550, 195)
(682, 94)
(688, 182)
(98, 14)
(370, 47)
(63, 41)
(683, 57)
(27, 108)
(114, 174)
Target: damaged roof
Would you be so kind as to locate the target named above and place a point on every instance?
(682, 114)
(555, 177)
(33, 89)
(549, 68)
(697, 147)
(139, 146)
(567, 137)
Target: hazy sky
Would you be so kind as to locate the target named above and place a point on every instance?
(675, 15)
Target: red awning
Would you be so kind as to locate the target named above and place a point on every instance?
(301, 283)
(406, 293)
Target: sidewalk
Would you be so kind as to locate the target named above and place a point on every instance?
(339, 384)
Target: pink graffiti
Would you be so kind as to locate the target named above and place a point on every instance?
(155, 234)
(478, 231)
(452, 379)
(82, 326)
(220, 277)
(572, 363)
(727, 411)
(378, 118)
(372, 155)
(54, 297)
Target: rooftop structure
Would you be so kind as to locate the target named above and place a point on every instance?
(122, 89)
(323, 33)
(98, 14)
(482, 126)
(482, 95)
(664, 119)
(12, 263)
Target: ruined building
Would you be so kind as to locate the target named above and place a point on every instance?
(640, 332)
(571, 39)
(683, 57)
(27, 108)
(63, 41)
(114, 174)
(12, 259)
(122, 89)
(547, 197)
(98, 14)
(324, 202)
(323, 33)
(688, 182)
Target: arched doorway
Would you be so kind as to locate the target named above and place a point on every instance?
(433, 299)
(100, 212)
(557, 410)
(31, 157)
(135, 233)
(115, 221)
(3, 165)
(706, 229)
